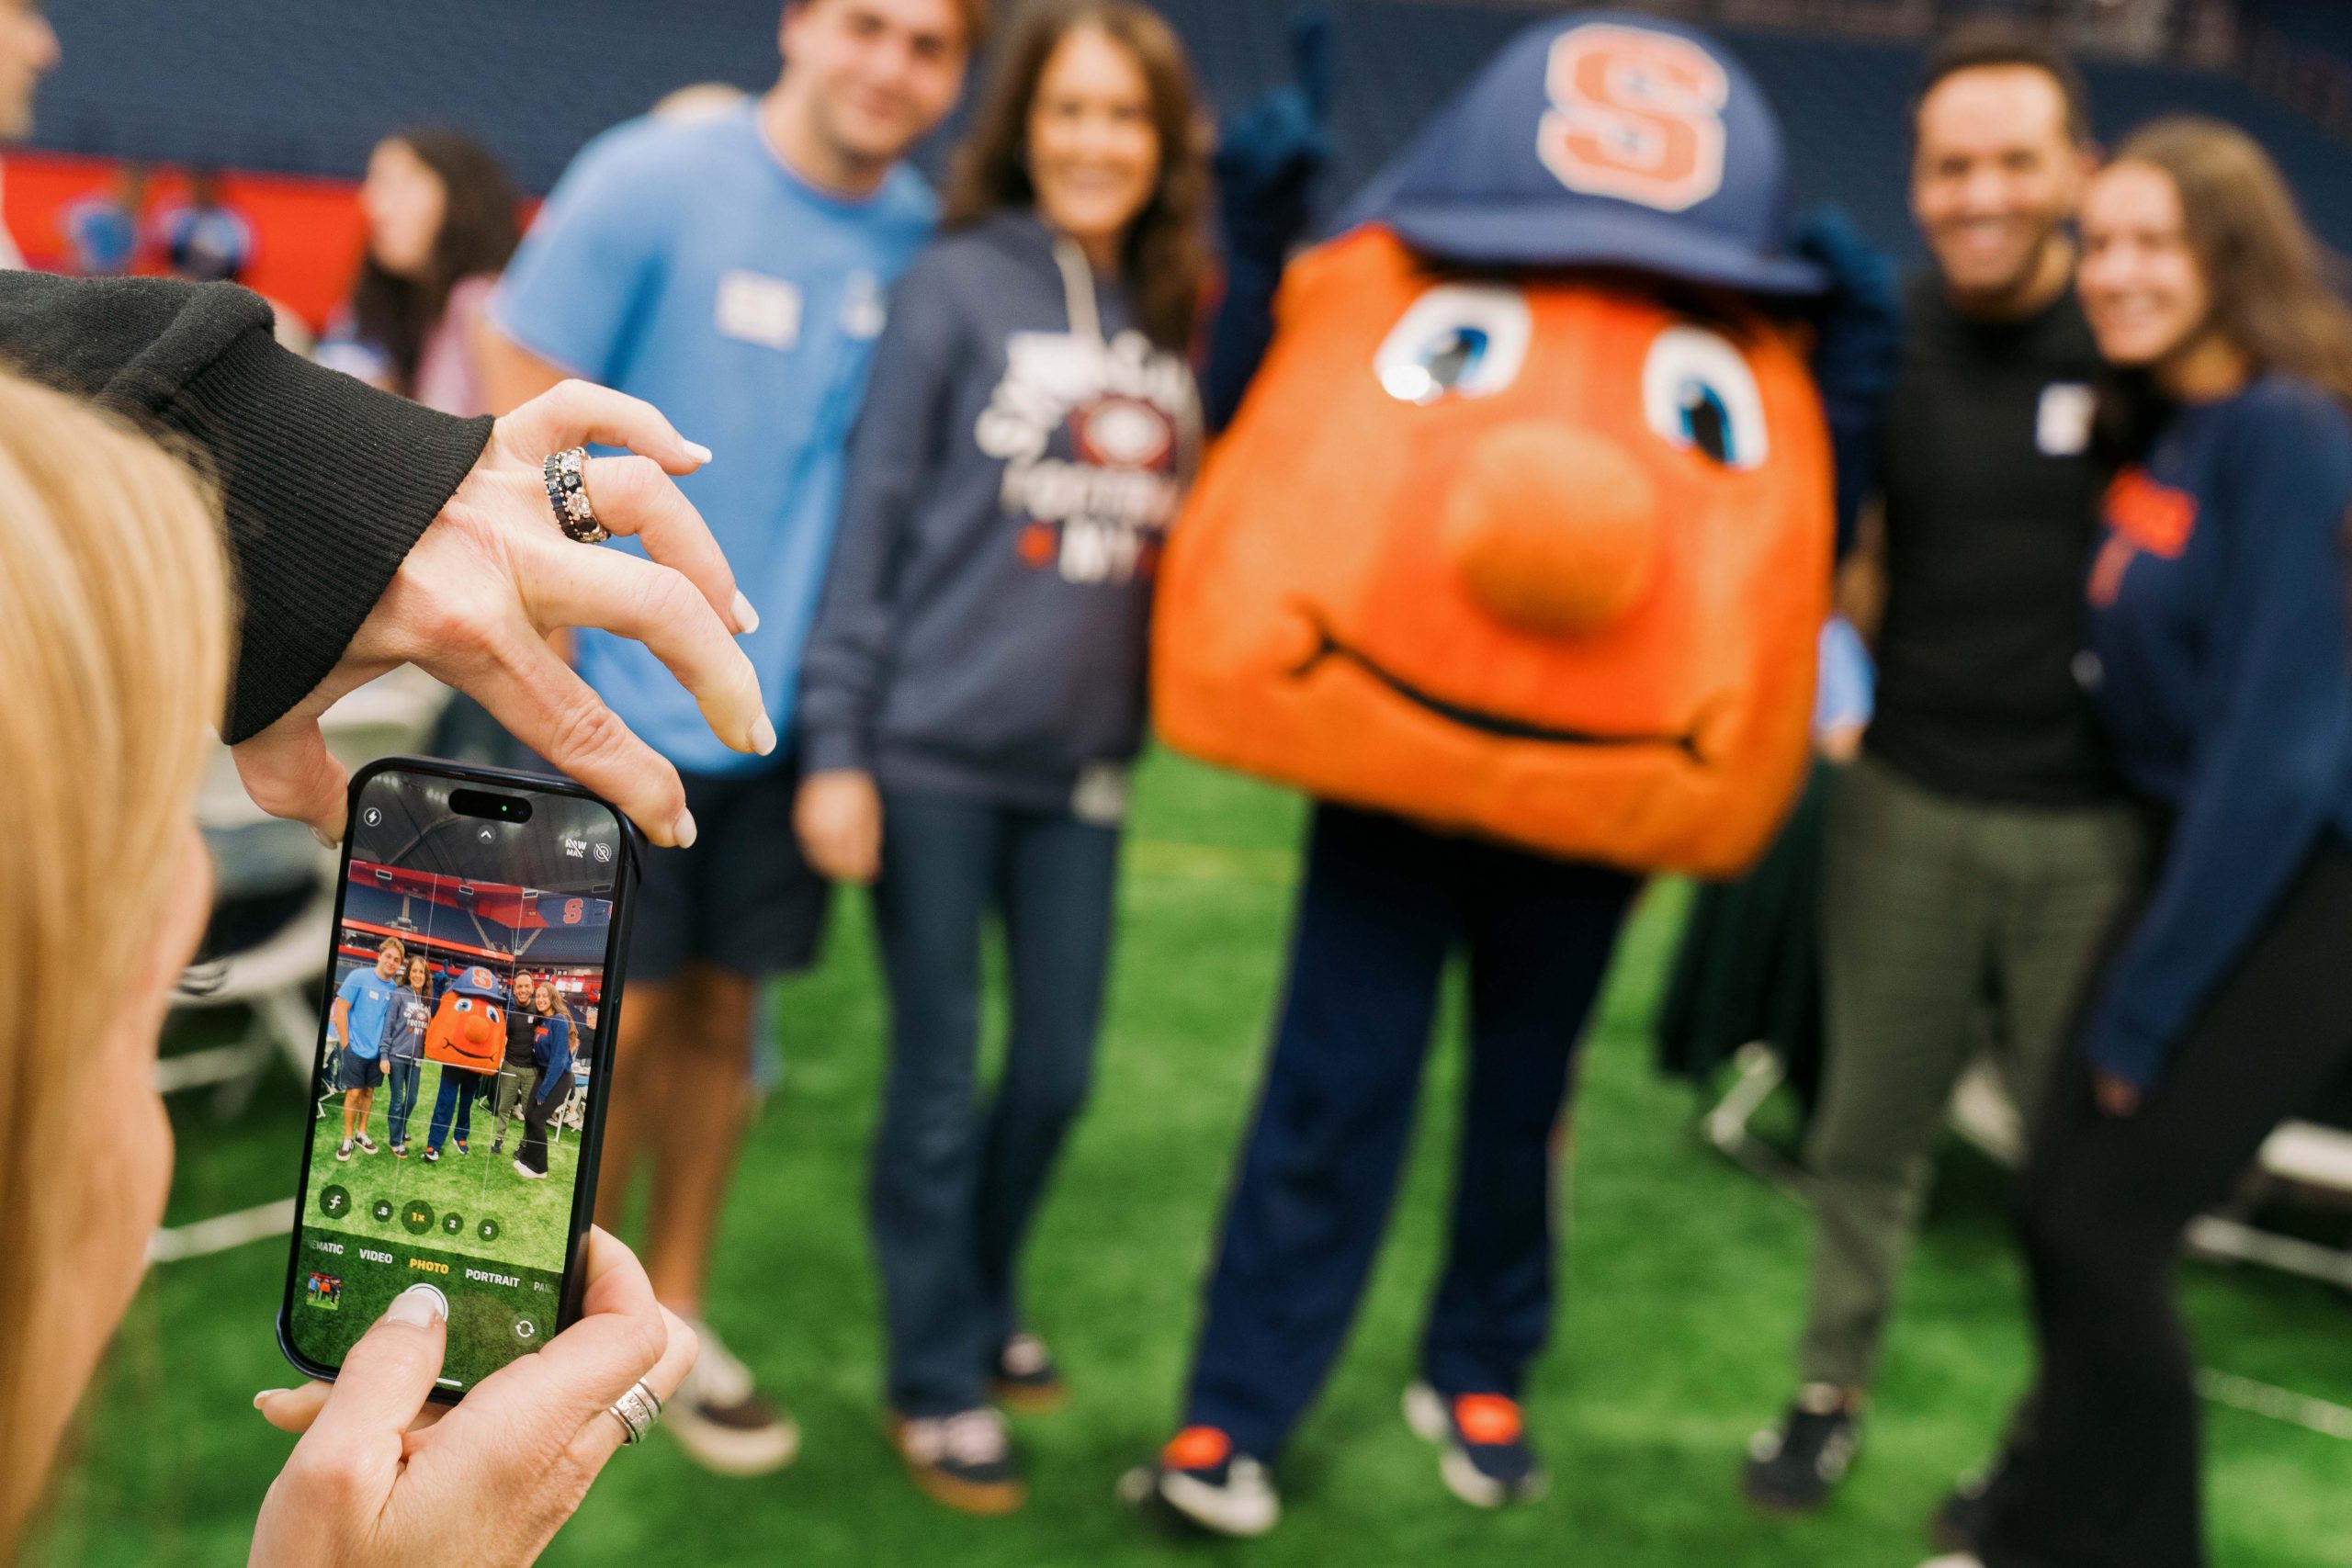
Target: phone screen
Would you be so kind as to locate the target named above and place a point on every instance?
(473, 986)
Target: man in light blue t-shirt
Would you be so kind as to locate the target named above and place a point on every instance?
(355, 1023)
(732, 270)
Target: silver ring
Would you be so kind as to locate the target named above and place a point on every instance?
(566, 473)
(637, 1411)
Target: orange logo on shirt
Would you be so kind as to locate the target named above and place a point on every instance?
(2141, 515)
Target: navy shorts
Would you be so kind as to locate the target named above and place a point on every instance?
(356, 1071)
(742, 898)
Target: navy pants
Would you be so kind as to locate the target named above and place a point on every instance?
(455, 1098)
(405, 1074)
(956, 1180)
(1384, 903)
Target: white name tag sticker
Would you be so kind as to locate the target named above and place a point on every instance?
(2063, 428)
(1101, 798)
(866, 309)
(755, 308)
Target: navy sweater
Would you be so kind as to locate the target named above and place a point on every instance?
(551, 1052)
(2218, 628)
(1020, 453)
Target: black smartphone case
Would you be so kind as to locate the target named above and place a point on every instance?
(592, 1131)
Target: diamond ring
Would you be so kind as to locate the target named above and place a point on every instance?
(566, 473)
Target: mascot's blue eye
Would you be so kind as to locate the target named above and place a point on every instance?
(463, 1006)
(1701, 396)
(1706, 422)
(1455, 357)
(1457, 340)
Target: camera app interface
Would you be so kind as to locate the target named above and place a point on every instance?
(454, 1068)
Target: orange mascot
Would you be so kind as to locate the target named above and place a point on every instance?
(468, 1037)
(469, 1028)
(1514, 557)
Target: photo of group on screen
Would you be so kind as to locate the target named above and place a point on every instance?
(496, 1033)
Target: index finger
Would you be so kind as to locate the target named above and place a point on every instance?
(576, 413)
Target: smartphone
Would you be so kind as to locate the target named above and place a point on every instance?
(465, 1044)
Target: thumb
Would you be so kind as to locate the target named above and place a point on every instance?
(289, 773)
(383, 1386)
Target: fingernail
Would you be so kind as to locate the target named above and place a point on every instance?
(321, 835)
(264, 1393)
(747, 620)
(418, 1306)
(697, 451)
(763, 735)
(683, 829)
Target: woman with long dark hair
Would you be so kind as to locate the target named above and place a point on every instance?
(441, 225)
(973, 691)
(2218, 656)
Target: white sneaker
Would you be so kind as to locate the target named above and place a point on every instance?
(1199, 1477)
(1956, 1559)
(720, 1418)
(965, 1461)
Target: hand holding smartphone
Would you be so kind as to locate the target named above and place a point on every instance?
(480, 926)
(378, 1479)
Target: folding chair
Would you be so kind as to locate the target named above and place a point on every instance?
(273, 906)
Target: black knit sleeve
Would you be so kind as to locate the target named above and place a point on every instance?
(326, 482)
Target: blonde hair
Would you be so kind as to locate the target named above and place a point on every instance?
(113, 651)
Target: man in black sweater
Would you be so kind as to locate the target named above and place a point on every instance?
(1980, 847)
(367, 532)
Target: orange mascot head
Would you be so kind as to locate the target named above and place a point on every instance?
(1524, 527)
(468, 1029)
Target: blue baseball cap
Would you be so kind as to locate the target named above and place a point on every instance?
(479, 980)
(1602, 138)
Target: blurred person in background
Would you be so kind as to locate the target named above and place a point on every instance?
(551, 1055)
(114, 677)
(1980, 846)
(404, 1026)
(973, 692)
(105, 231)
(203, 238)
(441, 224)
(2219, 655)
(28, 52)
(733, 271)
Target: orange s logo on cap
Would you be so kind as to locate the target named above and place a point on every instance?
(1636, 114)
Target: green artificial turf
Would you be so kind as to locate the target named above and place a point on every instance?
(1684, 1282)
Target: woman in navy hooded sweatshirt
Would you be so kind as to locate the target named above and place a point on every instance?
(2218, 657)
(973, 691)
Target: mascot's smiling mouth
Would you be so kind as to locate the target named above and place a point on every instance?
(1329, 647)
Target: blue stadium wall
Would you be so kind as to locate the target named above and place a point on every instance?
(307, 87)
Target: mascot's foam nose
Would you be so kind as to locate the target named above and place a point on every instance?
(477, 1030)
(1553, 529)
